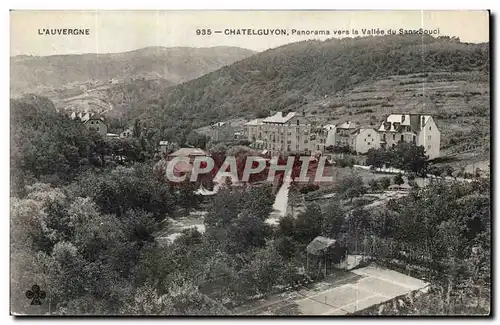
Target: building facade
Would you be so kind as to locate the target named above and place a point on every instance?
(280, 133)
(343, 133)
(364, 139)
(221, 131)
(418, 129)
(127, 133)
(330, 138)
(253, 130)
(318, 140)
(293, 133)
(96, 123)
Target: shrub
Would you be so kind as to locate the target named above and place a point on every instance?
(385, 182)
(308, 188)
(398, 179)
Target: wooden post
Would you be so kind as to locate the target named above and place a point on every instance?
(307, 263)
(324, 254)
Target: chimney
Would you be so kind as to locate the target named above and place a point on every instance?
(402, 118)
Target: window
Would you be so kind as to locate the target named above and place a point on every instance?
(429, 146)
(429, 137)
(430, 128)
(402, 138)
(298, 122)
(393, 137)
(368, 143)
(317, 147)
(383, 137)
(305, 141)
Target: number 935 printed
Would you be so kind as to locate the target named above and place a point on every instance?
(203, 31)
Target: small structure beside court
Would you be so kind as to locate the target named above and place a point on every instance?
(323, 254)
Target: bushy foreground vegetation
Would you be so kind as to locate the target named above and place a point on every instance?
(83, 228)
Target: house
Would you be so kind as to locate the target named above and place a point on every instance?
(318, 139)
(127, 133)
(184, 167)
(419, 129)
(96, 123)
(330, 139)
(253, 130)
(280, 133)
(167, 146)
(84, 117)
(364, 139)
(192, 153)
(343, 133)
(239, 136)
(221, 131)
(323, 255)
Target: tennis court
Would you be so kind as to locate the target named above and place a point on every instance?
(341, 294)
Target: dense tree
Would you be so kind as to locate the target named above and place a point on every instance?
(410, 158)
(374, 185)
(308, 224)
(350, 186)
(384, 183)
(333, 219)
(405, 156)
(398, 179)
(124, 188)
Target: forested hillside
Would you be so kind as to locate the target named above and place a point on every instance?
(176, 64)
(313, 74)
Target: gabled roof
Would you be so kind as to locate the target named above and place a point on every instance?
(187, 152)
(96, 117)
(329, 126)
(348, 125)
(359, 130)
(319, 245)
(218, 124)
(279, 117)
(257, 121)
(404, 120)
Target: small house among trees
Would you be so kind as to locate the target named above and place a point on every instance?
(323, 254)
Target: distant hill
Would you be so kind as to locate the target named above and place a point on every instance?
(177, 64)
(335, 80)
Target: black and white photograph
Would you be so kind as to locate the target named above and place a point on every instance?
(250, 163)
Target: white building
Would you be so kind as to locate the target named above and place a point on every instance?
(419, 129)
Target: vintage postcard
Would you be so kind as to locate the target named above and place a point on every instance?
(249, 163)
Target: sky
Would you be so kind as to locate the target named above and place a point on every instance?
(120, 31)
